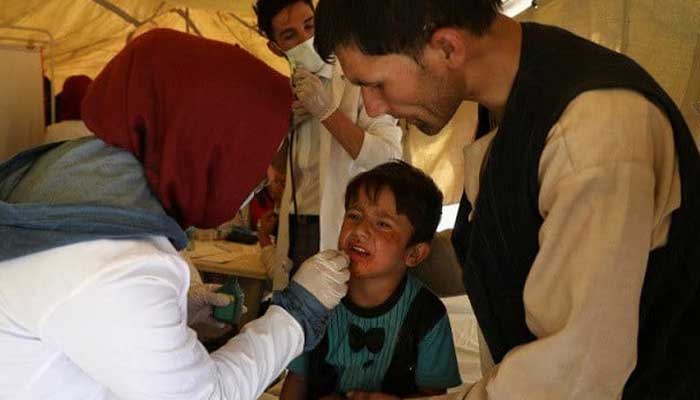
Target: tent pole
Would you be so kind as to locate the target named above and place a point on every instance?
(121, 13)
(188, 21)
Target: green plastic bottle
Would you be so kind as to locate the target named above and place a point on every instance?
(231, 313)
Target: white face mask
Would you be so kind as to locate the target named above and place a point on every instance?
(304, 55)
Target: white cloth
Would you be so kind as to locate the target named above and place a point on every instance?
(66, 130)
(306, 149)
(107, 319)
(382, 142)
(609, 182)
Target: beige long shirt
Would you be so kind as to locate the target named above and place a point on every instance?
(609, 182)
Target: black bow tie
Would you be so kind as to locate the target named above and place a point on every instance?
(373, 339)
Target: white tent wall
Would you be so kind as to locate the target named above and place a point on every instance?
(21, 103)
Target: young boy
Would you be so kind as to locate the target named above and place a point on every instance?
(390, 334)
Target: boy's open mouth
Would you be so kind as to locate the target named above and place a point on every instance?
(357, 252)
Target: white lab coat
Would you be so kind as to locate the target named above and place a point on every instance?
(107, 319)
(382, 142)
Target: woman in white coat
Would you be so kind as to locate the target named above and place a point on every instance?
(93, 294)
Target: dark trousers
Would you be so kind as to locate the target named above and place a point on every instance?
(304, 239)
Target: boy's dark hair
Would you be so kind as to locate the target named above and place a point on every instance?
(395, 26)
(267, 9)
(417, 196)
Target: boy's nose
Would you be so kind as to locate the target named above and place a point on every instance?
(361, 229)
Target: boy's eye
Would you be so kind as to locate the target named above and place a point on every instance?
(352, 216)
(384, 224)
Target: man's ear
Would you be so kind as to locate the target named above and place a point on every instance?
(416, 253)
(274, 48)
(451, 43)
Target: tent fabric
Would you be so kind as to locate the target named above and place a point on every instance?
(663, 36)
(88, 33)
(20, 96)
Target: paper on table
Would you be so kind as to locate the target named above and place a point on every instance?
(221, 258)
(205, 249)
(238, 248)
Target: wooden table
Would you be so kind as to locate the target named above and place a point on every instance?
(236, 259)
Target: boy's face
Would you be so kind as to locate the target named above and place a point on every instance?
(375, 236)
(292, 26)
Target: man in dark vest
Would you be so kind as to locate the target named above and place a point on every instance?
(579, 227)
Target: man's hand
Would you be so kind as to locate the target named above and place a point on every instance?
(309, 89)
(300, 113)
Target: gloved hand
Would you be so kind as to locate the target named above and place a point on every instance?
(309, 89)
(325, 276)
(200, 299)
(315, 289)
(300, 115)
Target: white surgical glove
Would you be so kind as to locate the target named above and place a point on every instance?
(300, 115)
(325, 276)
(309, 89)
(201, 298)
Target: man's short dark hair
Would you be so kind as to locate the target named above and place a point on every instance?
(395, 26)
(417, 196)
(267, 9)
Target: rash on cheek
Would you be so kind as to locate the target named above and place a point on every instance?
(362, 267)
(359, 268)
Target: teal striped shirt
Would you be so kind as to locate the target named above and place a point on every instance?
(362, 370)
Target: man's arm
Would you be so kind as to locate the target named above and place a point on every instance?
(346, 132)
(370, 141)
(598, 198)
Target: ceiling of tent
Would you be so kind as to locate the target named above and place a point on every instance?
(87, 33)
(663, 36)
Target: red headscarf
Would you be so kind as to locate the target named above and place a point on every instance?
(74, 89)
(205, 118)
